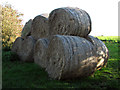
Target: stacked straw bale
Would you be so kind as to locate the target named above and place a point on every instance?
(16, 45)
(26, 29)
(26, 51)
(69, 21)
(40, 51)
(24, 48)
(70, 57)
(40, 27)
(101, 50)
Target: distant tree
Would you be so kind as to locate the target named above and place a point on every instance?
(11, 25)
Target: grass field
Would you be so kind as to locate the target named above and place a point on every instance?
(17, 74)
(113, 38)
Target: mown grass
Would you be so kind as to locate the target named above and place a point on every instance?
(17, 74)
(115, 38)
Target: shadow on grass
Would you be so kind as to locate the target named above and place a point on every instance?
(30, 75)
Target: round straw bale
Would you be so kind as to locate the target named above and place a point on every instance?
(40, 27)
(101, 50)
(70, 57)
(16, 45)
(69, 21)
(26, 29)
(25, 52)
(40, 51)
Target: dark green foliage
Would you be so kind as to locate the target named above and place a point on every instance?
(6, 48)
(9, 56)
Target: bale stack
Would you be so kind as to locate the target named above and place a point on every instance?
(69, 21)
(61, 44)
(40, 27)
(40, 51)
(24, 45)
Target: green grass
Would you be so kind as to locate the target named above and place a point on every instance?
(29, 75)
(115, 38)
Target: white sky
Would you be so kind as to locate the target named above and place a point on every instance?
(103, 13)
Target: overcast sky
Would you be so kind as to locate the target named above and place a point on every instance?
(103, 13)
